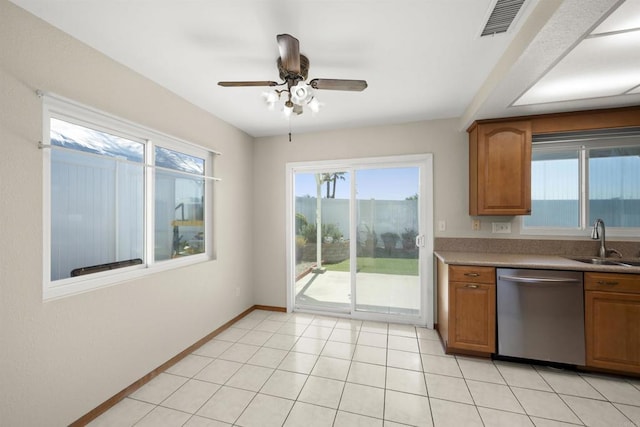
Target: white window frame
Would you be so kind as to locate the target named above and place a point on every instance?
(583, 196)
(72, 112)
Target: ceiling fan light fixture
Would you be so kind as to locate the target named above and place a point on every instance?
(301, 93)
(314, 105)
(271, 98)
(287, 109)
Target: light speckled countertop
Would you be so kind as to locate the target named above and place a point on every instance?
(549, 262)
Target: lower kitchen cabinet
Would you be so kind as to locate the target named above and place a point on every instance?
(612, 321)
(467, 308)
(472, 316)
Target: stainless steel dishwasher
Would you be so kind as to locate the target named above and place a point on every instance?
(541, 315)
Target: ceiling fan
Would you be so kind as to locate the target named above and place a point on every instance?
(294, 69)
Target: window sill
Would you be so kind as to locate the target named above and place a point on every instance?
(78, 285)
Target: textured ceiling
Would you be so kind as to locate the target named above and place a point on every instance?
(423, 59)
(605, 63)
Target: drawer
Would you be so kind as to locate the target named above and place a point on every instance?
(471, 273)
(612, 282)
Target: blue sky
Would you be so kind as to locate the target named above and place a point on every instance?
(379, 184)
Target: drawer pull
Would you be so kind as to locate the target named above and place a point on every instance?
(471, 286)
(606, 282)
(472, 274)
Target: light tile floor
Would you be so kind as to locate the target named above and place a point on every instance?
(278, 369)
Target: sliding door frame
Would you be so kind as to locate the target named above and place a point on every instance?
(425, 163)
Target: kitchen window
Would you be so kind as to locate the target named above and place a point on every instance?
(121, 200)
(578, 177)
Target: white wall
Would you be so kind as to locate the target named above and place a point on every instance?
(60, 359)
(440, 137)
(443, 138)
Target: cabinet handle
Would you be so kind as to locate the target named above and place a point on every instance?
(472, 274)
(471, 286)
(605, 282)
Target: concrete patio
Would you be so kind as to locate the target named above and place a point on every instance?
(384, 293)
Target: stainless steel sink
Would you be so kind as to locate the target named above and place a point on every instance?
(631, 263)
(600, 261)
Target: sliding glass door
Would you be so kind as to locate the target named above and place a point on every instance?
(356, 238)
(322, 230)
(387, 276)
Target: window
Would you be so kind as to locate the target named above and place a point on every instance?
(120, 200)
(578, 177)
(179, 204)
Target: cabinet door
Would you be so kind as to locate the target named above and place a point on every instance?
(500, 179)
(613, 330)
(472, 316)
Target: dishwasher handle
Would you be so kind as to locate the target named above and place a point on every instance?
(547, 280)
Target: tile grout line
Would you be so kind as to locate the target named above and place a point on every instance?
(308, 375)
(386, 372)
(595, 400)
(513, 394)
(335, 416)
(305, 381)
(426, 386)
(225, 383)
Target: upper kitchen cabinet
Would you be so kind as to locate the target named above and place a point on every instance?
(500, 154)
(500, 168)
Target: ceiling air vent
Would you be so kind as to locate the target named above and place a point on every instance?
(502, 16)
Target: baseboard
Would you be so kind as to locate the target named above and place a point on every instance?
(106, 405)
(268, 308)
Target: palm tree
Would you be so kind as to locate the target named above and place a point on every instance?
(326, 177)
(330, 178)
(337, 176)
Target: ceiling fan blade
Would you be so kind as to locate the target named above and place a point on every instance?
(289, 47)
(245, 84)
(339, 84)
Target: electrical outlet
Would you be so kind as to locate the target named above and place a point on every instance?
(237, 291)
(442, 225)
(475, 224)
(501, 227)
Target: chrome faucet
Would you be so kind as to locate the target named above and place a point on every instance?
(599, 232)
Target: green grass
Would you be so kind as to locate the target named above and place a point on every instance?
(407, 267)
